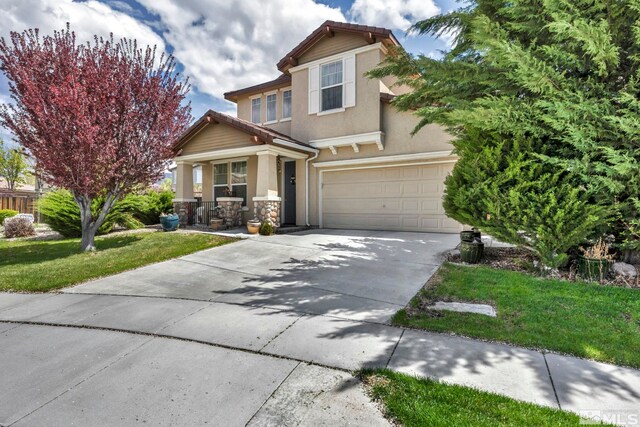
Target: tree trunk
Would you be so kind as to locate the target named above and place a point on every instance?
(90, 225)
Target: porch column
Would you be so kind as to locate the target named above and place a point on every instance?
(207, 182)
(184, 190)
(267, 202)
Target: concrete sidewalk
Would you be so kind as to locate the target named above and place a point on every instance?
(547, 379)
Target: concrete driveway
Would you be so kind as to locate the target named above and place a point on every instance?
(265, 332)
(358, 275)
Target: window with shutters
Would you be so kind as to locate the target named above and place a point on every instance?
(331, 86)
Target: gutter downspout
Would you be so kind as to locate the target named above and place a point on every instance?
(306, 190)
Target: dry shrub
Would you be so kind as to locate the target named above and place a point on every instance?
(18, 227)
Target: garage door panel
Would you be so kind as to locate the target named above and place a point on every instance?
(391, 198)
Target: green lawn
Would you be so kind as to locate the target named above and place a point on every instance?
(423, 402)
(585, 320)
(40, 266)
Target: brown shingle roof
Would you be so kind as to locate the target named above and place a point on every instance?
(282, 81)
(373, 34)
(263, 134)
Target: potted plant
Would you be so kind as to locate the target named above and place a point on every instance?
(266, 229)
(217, 222)
(169, 222)
(595, 262)
(253, 226)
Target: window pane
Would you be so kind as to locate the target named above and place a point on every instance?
(238, 172)
(331, 74)
(220, 175)
(218, 192)
(286, 104)
(271, 107)
(255, 110)
(332, 98)
(240, 191)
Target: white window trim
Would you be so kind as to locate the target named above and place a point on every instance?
(283, 90)
(332, 111)
(251, 107)
(266, 107)
(229, 185)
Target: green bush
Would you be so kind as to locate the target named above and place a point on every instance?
(147, 207)
(266, 229)
(61, 212)
(513, 196)
(6, 213)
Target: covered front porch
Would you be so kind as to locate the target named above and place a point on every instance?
(240, 184)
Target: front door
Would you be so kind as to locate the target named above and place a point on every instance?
(289, 192)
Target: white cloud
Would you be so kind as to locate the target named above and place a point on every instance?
(86, 19)
(394, 14)
(226, 45)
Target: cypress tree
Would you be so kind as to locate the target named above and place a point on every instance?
(543, 98)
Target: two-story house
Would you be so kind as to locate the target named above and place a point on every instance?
(321, 145)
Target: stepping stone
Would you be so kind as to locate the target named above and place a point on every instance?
(463, 307)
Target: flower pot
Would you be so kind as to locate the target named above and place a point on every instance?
(594, 269)
(467, 235)
(253, 227)
(471, 252)
(170, 222)
(217, 224)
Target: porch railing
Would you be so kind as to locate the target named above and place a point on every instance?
(198, 213)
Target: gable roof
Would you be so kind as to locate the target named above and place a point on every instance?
(282, 81)
(262, 134)
(371, 34)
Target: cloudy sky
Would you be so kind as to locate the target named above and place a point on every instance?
(220, 44)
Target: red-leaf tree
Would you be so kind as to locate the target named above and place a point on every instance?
(99, 118)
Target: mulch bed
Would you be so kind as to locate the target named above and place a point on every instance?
(525, 261)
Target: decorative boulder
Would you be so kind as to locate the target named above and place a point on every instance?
(625, 270)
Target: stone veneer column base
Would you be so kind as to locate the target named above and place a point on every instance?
(231, 210)
(267, 209)
(181, 207)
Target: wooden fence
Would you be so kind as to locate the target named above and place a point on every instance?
(21, 201)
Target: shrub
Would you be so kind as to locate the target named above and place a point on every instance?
(147, 207)
(266, 229)
(519, 199)
(62, 213)
(19, 227)
(6, 213)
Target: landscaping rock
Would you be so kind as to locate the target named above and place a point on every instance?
(625, 270)
(463, 307)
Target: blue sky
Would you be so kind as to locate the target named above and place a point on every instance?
(220, 44)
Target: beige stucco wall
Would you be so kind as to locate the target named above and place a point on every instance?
(364, 117)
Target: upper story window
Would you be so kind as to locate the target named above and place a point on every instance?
(272, 101)
(286, 104)
(255, 110)
(331, 86)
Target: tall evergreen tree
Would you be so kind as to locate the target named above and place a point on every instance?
(543, 97)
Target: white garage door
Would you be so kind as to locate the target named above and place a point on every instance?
(406, 198)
